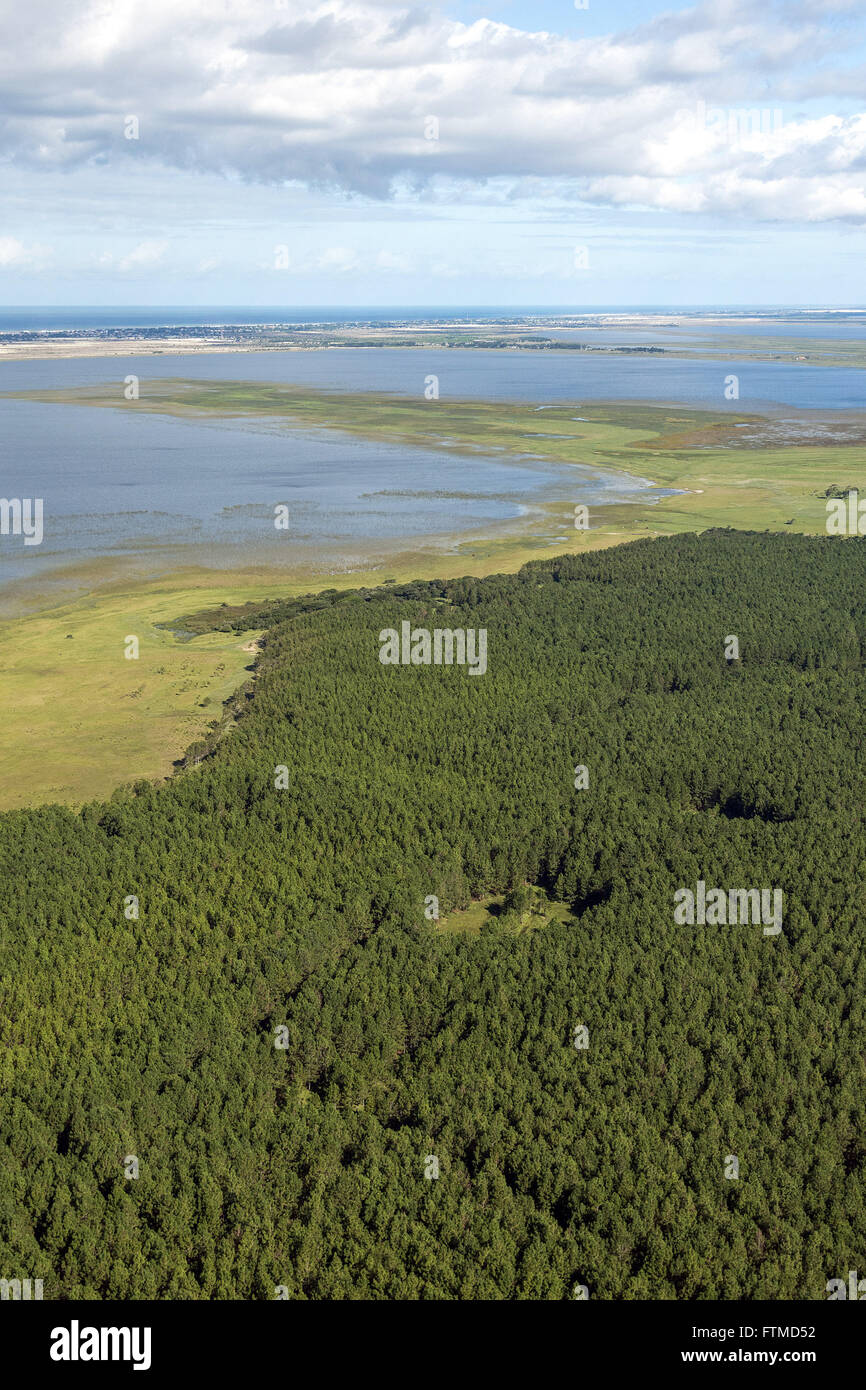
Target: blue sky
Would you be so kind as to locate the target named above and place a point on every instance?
(562, 16)
(370, 152)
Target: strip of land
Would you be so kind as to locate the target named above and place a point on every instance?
(99, 720)
(686, 337)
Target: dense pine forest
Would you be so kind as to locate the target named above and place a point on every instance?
(232, 985)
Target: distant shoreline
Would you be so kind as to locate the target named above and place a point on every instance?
(671, 334)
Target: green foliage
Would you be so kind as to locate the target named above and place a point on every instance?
(304, 907)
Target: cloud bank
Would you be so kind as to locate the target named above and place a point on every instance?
(705, 110)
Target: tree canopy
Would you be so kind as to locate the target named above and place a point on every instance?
(283, 1039)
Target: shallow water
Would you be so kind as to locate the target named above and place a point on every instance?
(530, 375)
(122, 485)
(125, 485)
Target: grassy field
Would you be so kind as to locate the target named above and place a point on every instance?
(486, 912)
(88, 718)
(99, 720)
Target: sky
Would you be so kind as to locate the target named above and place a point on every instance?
(484, 152)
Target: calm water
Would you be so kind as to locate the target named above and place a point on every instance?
(528, 376)
(163, 491)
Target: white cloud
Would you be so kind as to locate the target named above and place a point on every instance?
(393, 260)
(143, 256)
(14, 253)
(339, 259)
(336, 95)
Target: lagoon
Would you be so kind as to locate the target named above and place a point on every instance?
(477, 374)
(155, 492)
